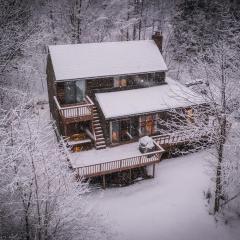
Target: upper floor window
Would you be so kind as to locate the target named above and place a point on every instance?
(74, 91)
(120, 81)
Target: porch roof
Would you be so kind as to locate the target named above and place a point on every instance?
(92, 60)
(145, 100)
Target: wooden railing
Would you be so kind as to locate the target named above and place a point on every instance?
(181, 137)
(78, 110)
(122, 164)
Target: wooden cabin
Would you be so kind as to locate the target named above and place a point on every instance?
(105, 94)
(111, 93)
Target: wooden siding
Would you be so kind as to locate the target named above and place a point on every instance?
(52, 91)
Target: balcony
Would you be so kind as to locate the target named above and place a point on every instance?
(76, 112)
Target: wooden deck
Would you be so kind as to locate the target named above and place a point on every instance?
(94, 163)
(181, 137)
(77, 112)
(121, 164)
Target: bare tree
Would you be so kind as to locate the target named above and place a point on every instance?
(39, 196)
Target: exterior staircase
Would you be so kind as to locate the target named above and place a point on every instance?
(97, 128)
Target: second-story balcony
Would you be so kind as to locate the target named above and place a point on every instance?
(75, 112)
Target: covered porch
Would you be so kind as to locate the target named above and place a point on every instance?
(131, 114)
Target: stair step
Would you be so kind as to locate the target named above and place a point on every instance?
(98, 132)
(101, 147)
(100, 139)
(100, 143)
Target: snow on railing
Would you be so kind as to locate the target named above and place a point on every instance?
(78, 110)
(122, 164)
(182, 136)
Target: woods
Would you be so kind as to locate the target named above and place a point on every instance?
(39, 198)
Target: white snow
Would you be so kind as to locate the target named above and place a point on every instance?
(144, 100)
(86, 158)
(105, 59)
(170, 207)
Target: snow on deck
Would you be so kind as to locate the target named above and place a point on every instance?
(144, 100)
(105, 59)
(91, 157)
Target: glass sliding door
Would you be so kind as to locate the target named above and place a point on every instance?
(69, 93)
(148, 124)
(74, 91)
(125, 134)
(115, 132)
(80, 90)
(121, 131)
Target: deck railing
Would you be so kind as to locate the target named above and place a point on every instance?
(78, 110)
(182, 136)
(122, 164)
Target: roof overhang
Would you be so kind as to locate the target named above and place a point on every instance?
(147, 100)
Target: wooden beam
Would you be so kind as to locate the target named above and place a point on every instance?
(153, 173)
(104, 181)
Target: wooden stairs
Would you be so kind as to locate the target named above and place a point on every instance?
(100, 142)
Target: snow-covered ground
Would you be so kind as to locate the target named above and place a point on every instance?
(169, 207)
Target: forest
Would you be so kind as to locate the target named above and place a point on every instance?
(39, 198)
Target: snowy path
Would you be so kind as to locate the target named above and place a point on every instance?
(169, 207)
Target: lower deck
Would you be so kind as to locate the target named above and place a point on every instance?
(94, 163)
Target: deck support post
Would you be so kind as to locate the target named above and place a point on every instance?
(104, 181)
(130, 174)
(153, 172)
(65, 129)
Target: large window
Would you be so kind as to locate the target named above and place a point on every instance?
(189, 115)
(148, 125)
(115, 132)
(120, 81)
(123, 130)
(74, 91)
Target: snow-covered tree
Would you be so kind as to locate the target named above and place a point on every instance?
(40, 197)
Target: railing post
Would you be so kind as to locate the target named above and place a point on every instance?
(120, 164)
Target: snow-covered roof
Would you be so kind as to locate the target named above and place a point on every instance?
(105, 59)
(139, 101)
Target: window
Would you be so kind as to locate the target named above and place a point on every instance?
(80, 90)
(120, 82)
(115, 132)
(69, 92)
(148, 124)
(74, 91)
(122, 130)
(189, 115)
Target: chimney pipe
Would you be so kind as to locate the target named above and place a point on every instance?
(158, 39)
